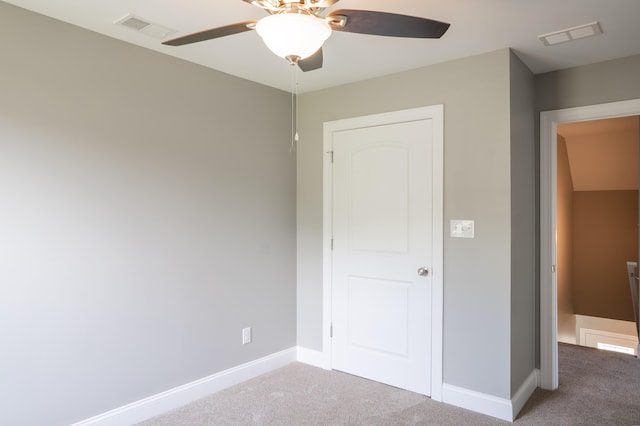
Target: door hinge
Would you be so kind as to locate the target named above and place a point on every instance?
(553, 269)
(331, 243)
(331, 330)
(330, 153)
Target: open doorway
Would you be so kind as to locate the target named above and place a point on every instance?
(597, 232)
(549, 121)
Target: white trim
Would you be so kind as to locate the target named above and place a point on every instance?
(549, 121)
(311, 357)
(524, 393)
(437, 291)
(490, 405)
(477, 401)
(548, 282)
(586, 332)
(327, 233)
(181, 395)
(436, 114)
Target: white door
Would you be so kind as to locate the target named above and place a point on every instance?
(382, 235)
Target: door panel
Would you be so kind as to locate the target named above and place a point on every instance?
(382, 222)
(379, 199)
(378, 315)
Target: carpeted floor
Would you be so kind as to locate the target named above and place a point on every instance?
(596, 388)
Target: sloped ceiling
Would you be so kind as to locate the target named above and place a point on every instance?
(603, 154)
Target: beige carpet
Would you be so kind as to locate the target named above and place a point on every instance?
(597, 388)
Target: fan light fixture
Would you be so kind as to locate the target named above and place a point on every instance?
(293, 36)
(296, 29)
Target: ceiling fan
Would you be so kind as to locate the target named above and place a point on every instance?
(296, 29)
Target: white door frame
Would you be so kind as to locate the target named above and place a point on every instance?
(436, 114)
(549, 121)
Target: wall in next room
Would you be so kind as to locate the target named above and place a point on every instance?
(605, 237)
(566, 309)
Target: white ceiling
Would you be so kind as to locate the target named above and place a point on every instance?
(603, 154)
(477, 26)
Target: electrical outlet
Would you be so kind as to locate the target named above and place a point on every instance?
(246, 335)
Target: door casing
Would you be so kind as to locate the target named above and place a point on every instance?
(436, 114)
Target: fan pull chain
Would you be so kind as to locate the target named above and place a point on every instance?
(294, 107)
(295, 137)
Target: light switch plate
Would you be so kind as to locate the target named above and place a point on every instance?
(462, 228)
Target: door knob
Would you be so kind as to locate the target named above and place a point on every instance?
(423, 272)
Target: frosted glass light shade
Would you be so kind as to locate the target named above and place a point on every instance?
(293, 34)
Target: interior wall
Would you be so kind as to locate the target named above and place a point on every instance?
(477, 272)
(605, 237)
(143, 223)
(564, 218)
(523, 316)
(599, 83)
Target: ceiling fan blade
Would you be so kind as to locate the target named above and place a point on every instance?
(212, 33)
(311, 63)
(388, 24)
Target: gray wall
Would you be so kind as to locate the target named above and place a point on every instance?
(475, 92)
(609, 81)
(523, 223)
(143, 222)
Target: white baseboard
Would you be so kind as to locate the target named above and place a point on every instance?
(477, 401)
(165, 401)
(312, 357)
(522, 395)
(490, 405)
(181, 395)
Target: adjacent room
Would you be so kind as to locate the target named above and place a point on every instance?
(598, 233)
(185, 208)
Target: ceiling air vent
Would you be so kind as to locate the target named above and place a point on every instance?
(145, 26)
(570, 34)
